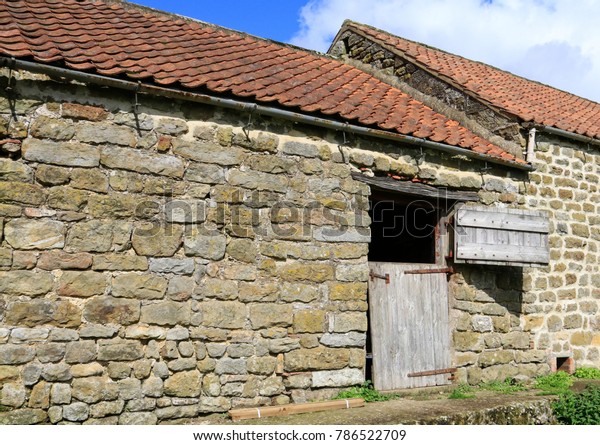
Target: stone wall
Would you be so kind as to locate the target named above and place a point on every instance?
(165, 265)
(514, 321)
(174, 263)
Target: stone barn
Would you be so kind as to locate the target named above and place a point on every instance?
(193, 219)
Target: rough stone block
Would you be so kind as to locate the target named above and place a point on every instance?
(338, 378)
(21, 193)
(34, 234)
(259, 290)
(157, 240)
(316, 359)
(89, 179)
(60, 394)
(119, 350)
(120, 206)
(81, 352)
(172, 126)
(105, 133)
(71, 154)
(59, 259)
(185, 211)
(205, 173)
(214, 404)
(220, 289)
(309, 320)
(244, 250)
(130, 388)
(104, 409)
(119, 262)
(90, 236)
(180, 266)
(491, 358)
(16, 354)
(349, 339)
(13, 395)
(207, 152)
(76, 412)
(51, 175)
(143, 287)
(59, 372)
(25, 283)
(138, 418)
(40, 395)
(14, 171)
(342, 235)
(258, 180)
(280, 345)
(168, 313)
(30, 374)
(350, 321)
(270, 314)
(306, 272)
(296, 148)
(205, 244)
(67, 198)
(184, 384)
(347, 291)
(233, 366)
(467, 341)
(105, 310)
(304, 293)
(180, 288)
(482, 323)
(81, 284)
(142, 332)
(28, 335)
(222, 314)
(153, 387)
(87, 112)
(261, 365)
(352, 272)
(516, 340)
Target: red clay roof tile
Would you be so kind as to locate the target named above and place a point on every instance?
(120, 39)
(528, 100)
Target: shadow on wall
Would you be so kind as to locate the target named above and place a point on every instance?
(491, 295)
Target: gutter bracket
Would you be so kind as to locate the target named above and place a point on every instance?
(246, 128)
(136, 108)
(12, 62)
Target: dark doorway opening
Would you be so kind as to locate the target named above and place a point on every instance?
(403, 230)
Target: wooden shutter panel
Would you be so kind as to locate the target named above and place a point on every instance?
(509, 237)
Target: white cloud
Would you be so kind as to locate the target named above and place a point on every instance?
(556, 42)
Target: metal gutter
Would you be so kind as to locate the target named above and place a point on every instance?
(248, 106)
(569, 135)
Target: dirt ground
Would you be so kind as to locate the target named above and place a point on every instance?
(414, 407)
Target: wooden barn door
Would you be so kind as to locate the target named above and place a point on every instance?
(409, 325)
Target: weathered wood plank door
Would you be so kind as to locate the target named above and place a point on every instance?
(410, 329)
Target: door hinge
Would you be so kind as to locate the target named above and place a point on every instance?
(427, 271)
(433, 372)
(385, 277)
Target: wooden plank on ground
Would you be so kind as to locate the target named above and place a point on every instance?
(294, 408)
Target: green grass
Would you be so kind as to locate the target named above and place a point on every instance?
(557, 383)
(507, 386)
(578, 409)
(587, 373)
(366, 392)
(462, 391)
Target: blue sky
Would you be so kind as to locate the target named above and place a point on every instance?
(277, 20)
(556, 42)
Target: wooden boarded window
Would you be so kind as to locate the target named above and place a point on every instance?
(509, 237)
